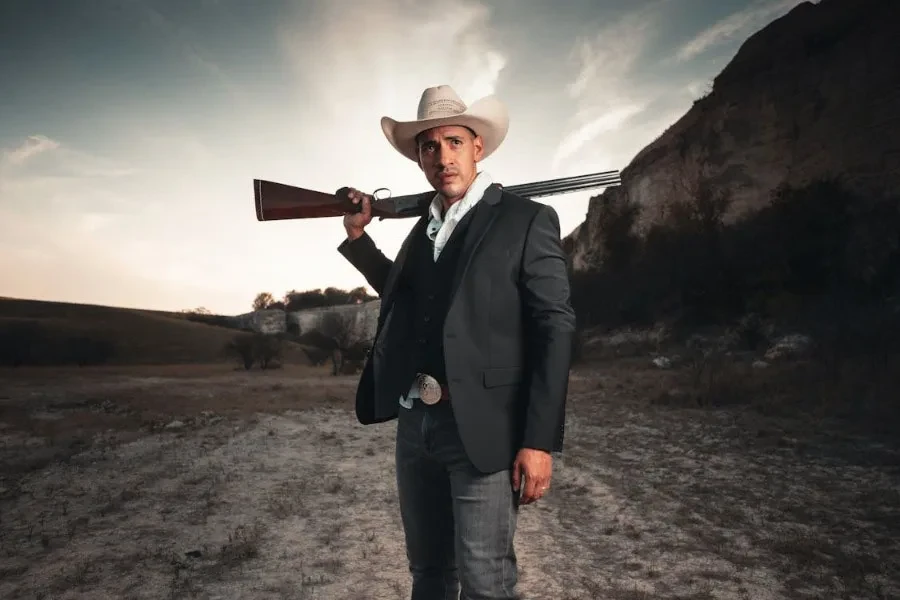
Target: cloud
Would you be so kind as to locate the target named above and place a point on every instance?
(608, 121)
(54, 199)
(355, 63)
(55, 160)
(47, 180)
(624, 97)
(384, 49)
(52, 261)
(606, 90)
(737, 26)
(183, 41)
(78, 226)
(32, 146)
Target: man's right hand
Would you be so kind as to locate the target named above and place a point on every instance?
(355, 223)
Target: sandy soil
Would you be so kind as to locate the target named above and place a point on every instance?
(202, 482)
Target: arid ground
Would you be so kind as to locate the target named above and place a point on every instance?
(211, 482)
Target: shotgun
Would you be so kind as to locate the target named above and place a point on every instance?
(278, 201)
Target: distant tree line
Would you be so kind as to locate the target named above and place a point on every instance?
(204, 315)
(296, 300)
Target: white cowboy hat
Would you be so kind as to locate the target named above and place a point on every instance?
(440, 106)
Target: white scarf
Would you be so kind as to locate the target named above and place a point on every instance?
(439, 229)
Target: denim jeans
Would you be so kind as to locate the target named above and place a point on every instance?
(458, 522)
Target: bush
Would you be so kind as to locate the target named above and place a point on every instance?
(210, 319)
(750, 332)
(256, 348)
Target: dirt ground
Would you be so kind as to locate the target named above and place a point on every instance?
(206, 482)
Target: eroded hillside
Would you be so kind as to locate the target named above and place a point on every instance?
(812, 95)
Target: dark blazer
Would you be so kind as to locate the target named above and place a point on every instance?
(507, 335)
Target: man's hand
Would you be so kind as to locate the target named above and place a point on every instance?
(355, 223)
(533, 469)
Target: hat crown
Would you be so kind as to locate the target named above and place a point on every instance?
(438, 102)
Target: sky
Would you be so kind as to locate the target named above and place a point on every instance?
(131, 130)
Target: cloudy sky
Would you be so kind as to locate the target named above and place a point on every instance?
(131, 130)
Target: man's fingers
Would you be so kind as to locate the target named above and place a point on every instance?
(534, 489)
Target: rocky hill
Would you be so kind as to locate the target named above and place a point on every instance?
(814, 94)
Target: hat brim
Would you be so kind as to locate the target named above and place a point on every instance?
(487, 117)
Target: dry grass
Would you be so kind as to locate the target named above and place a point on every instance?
(206, 482)
(139, 336)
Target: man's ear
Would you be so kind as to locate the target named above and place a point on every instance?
(479, 148)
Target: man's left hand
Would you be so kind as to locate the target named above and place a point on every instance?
(534, 467)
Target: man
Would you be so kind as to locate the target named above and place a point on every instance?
(471, 354)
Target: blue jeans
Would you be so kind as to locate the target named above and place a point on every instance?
(459, 523)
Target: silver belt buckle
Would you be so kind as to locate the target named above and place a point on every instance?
(429, 388)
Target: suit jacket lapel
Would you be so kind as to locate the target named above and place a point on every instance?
(485, 213)
(400, 263)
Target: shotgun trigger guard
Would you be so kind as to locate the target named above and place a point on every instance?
(381, 197)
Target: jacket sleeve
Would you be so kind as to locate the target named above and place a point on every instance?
(549, 329)
(368, 260)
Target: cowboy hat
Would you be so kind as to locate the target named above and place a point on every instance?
(440, 106)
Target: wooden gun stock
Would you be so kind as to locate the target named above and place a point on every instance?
(279, 201)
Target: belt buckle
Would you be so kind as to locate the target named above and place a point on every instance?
(429, 389)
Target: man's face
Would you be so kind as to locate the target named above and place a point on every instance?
(449, 156)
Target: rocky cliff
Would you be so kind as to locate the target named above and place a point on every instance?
(815, 93)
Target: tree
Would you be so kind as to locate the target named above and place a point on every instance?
(255, 348)
(241, 346)
(358, 295)
(338, 328)
(295, 300)
(263, 301)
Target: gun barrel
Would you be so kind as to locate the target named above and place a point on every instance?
(277, 201)
(566, 185)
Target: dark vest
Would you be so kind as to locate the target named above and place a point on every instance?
(429, 283)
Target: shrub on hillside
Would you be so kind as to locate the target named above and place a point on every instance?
(256, 348)
(211, 319)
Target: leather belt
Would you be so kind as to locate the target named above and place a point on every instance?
(431, 391)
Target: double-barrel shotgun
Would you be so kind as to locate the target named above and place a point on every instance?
(278, 201)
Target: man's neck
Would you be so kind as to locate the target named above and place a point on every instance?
(446, 203)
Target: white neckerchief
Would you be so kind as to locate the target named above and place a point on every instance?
(439, 229)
